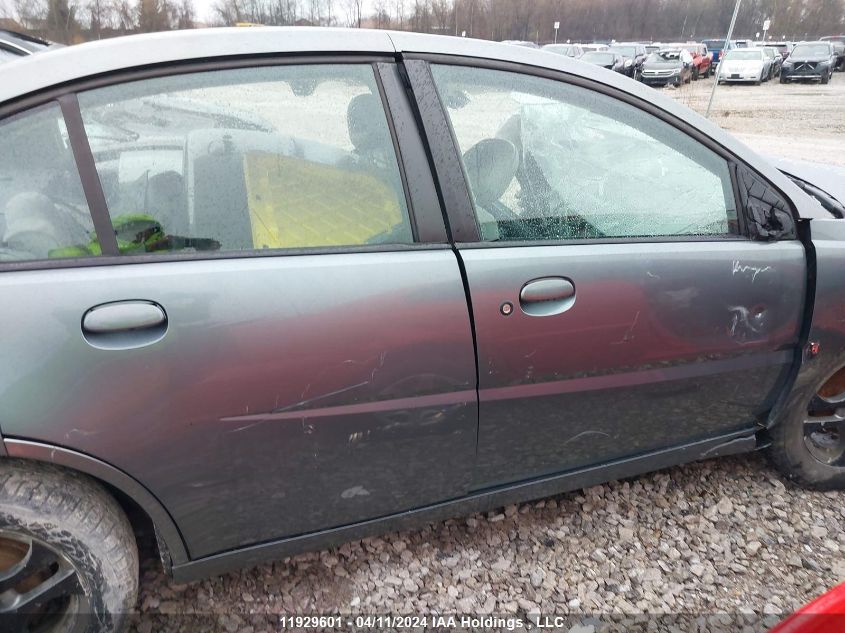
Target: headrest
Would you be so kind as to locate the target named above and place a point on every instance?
(490, 165)
(365, 119)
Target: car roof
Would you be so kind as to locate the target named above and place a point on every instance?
(56, 67)
(26, 44)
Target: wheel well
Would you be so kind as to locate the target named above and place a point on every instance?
(834, 385)
(142, 525)
(150, 520)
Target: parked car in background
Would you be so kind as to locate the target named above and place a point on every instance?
(743, 43)
(671, 66)
(809, 61)
(838, 42)
(595, 46)
(653, 47)
(702, 64)
(605, 59)
(776, 61)
(716, 47)
(569, 50)
(634, 55)
(744, 65)
(482, 275)
(14, 45)
(783, 48)
(522, 43)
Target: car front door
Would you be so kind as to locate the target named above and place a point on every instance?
(620, 304)
(263, 323)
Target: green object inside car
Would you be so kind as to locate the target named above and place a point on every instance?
(136, 233)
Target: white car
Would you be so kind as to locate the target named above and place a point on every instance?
(744, 65)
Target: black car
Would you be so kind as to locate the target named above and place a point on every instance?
(14, 45)
(838, 42)
(634, 55)
(809, 61)
(667, 67)
(605, 59)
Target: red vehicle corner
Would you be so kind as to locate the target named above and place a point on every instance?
(825, 614)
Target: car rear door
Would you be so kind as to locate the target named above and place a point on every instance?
(263, 323)
(621, 305)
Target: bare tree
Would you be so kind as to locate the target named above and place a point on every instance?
(185, 14)
(354, 9)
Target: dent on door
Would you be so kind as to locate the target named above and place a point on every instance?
(664, 344)
(288, 395)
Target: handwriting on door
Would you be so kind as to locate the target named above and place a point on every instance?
(739, 267)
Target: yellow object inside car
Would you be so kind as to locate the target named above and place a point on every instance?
(294, 202)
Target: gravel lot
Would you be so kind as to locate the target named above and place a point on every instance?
(716, 537)
(799, 120)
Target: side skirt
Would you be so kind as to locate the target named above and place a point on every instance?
(482, 501)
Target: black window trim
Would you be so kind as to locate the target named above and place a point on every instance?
(66, 96)
(87, 170)
(457, 213)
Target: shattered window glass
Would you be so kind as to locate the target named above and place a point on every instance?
(551, 161)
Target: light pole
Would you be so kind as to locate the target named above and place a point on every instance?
(557, 26)
(722, 57)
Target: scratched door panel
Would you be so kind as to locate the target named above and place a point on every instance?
(288, 395)
(664, 343)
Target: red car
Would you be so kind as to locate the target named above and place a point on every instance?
(702, 64)
(825, 614)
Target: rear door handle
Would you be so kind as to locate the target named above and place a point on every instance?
(124, 324)
(547, 296)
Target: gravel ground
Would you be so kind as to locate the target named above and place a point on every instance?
(798, 120)
(716, 537)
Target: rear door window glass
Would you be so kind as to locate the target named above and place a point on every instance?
(43, 211)
(248, 159)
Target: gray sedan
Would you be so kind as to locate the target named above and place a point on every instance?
(269, 290)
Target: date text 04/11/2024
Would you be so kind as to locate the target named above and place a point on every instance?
(380, 622)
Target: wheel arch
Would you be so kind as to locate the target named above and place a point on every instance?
(170, 542)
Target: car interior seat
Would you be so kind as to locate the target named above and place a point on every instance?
(367, 129)
(35, 225)
(490, 166)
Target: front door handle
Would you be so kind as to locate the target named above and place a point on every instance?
(547, 296)
(124, 324)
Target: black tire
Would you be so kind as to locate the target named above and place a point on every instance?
(792, 449)
(695, 74)
(825, 79)
(67, 517)
(782, 79)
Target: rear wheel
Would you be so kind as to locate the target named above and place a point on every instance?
(825, 78)
(810, 448)
(68, 560)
